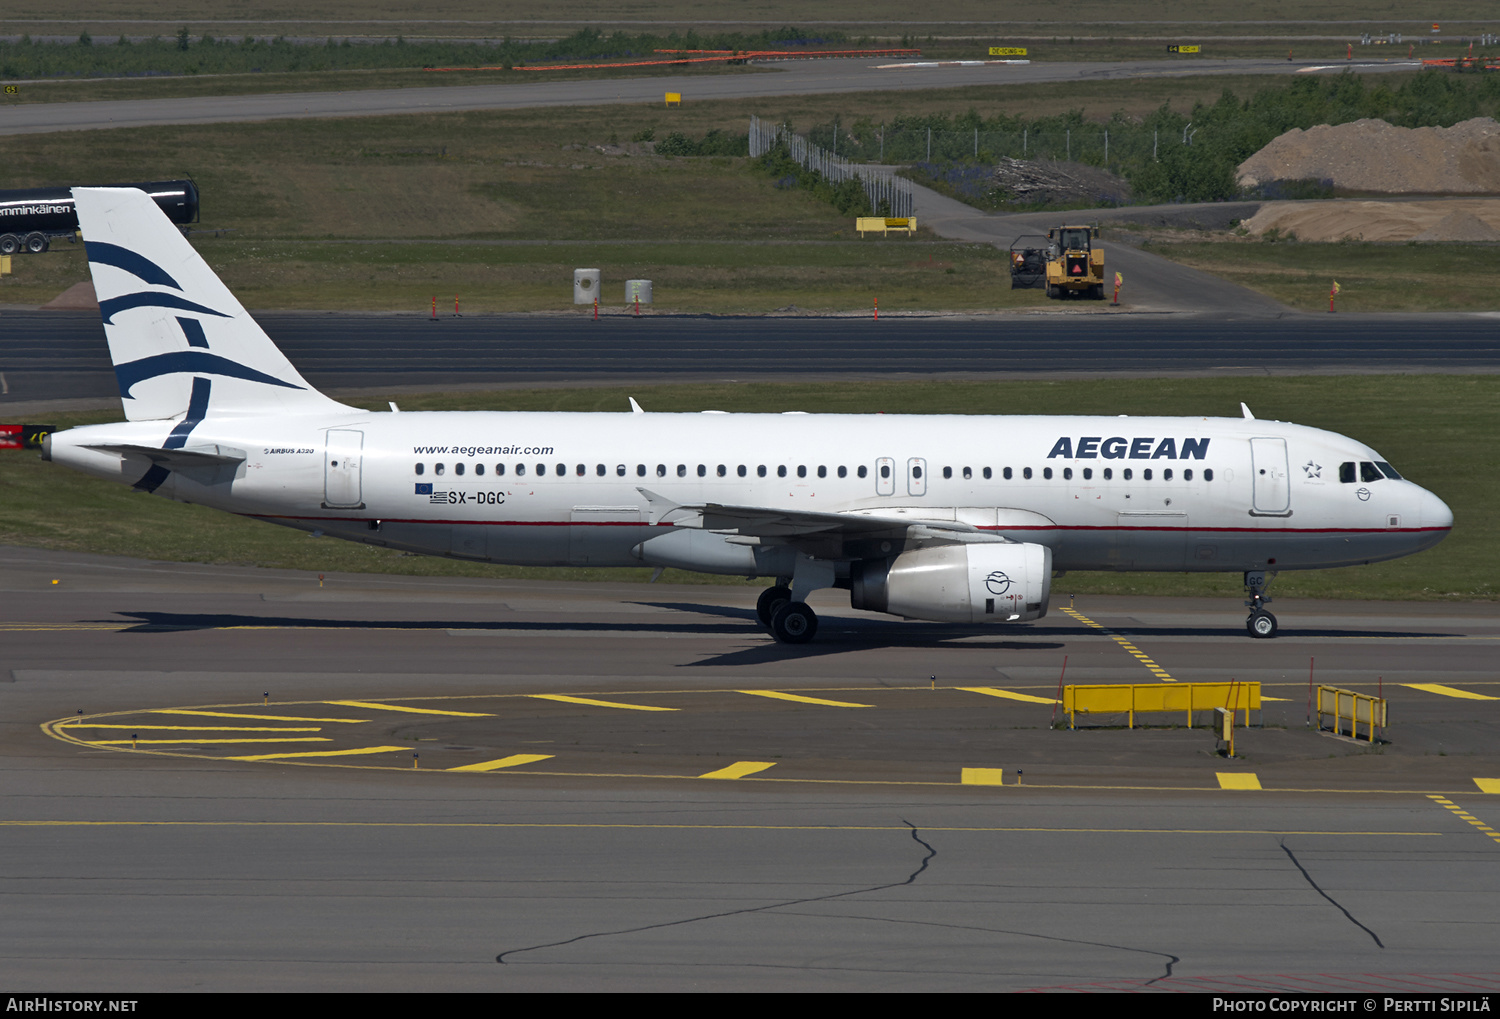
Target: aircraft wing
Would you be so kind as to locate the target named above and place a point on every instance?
(820, 535)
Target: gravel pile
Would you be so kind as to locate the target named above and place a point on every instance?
(1447, 220)
(1371, 155)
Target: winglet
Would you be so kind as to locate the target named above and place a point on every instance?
(635, 408)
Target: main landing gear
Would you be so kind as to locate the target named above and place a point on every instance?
(1260, 622)
(790, 622)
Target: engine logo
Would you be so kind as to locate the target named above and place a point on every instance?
(997, 582)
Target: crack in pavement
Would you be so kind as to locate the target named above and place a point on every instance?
(910, 878)
(1330, 898)
(1172, 960)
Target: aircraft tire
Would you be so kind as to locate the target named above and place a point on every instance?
(794, 623)
(36, 243)
(771, 599)
(1261, 624)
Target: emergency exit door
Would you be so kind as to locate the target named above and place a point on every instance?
(342, 466)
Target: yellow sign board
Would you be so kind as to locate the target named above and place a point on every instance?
(1183, 49)
(1007, 51)
(674, 98)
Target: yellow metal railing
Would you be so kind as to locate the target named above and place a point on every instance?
(1353, 707)
(1131, 699)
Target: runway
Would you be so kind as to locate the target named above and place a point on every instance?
(62, 355)
(858, 857)
(786, 78)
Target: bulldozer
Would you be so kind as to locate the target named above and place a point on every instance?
(1075, 262)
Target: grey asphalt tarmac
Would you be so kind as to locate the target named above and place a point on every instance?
(857, 860)
(810, 77)
(55, 359)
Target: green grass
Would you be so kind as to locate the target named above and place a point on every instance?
(1371, 277)
(1428, 426)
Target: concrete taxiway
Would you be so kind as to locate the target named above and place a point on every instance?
(786, 818)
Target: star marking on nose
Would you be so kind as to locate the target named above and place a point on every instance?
(1313, 470)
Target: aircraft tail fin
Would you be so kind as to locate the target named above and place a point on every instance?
(180, 341)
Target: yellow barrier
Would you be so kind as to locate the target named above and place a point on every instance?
(886, 224)
(674, 98)
(1131, 699)
(1356, 707)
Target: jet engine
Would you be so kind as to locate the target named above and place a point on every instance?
(981, 583)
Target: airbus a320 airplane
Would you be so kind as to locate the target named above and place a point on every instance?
(949, 518)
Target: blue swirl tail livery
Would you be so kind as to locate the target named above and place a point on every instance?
(170, 321)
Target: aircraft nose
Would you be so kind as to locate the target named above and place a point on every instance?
(1435, 512)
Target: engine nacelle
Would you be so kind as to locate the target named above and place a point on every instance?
(989, 583)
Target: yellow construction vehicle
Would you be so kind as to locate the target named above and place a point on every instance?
(1075, 262)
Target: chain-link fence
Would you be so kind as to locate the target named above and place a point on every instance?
(887, 193)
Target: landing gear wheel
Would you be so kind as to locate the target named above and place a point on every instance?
(794, 623)
(1261, 624)
(771, 599)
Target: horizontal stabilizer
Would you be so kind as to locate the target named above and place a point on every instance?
(179, 459)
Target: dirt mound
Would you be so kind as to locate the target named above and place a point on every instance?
(1448, 219)
(1371, 155)
(1031, 182)
(78, 297)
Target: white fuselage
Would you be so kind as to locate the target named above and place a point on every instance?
(1103, 493)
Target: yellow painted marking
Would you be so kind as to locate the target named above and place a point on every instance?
(374, 706)
(320, 753)
(995, 691)
(196, 728)
(982, 776)
(195, 741)
(798, 698)
(740, 769)
(1124, 642)
(1238, 780)
(262, 718)
(1458, 811)
(1488, 785)
(591, 702)
(1449, 691)
(504, 762)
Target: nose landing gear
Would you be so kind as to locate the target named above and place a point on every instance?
(1260, 622)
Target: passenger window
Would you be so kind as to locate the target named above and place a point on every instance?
(583, 470)
(885, 470)
(968, 474)
(740, 470)
(541, 470)
(1109, 473)
(562, 470)
(1146, 474)
(479, 469)
(661, 470)
(1166, 475)
(1026, 473)
(986, 474)
(1047, 473)
(520, 470)
(1006, 473)
(863, 470)
(1208, 474)
(420, 469)
(499, 470)
(822, 471)
(1067, 474)
(723, 471)
(781, 471)
(682, 470)
(843, 471)
(760, 471)
(640, 470)
(601, 470)
(1088, 474)
(1369, 472)
(437, 468)
(1127, 474)
(620, 470)
(801, 472)
(947, 473)
(916, 472)
(702, 471)
(458, 469)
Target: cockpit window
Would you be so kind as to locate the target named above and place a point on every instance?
(1346, 472)
(1369, 472)
(1387, 470)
